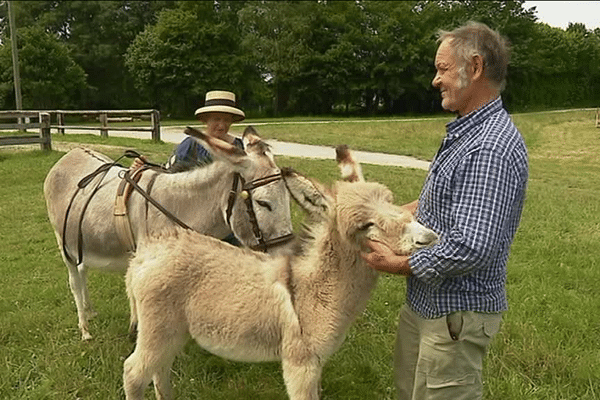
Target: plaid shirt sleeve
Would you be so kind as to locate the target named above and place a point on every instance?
(477, 202)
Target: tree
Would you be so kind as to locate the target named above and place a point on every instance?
(97, 34)
(275, 33)
(562, 68)
(191, 49)
(50, 79)
(308, 57)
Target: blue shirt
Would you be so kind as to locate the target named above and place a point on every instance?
(191, 153)
(473, 198)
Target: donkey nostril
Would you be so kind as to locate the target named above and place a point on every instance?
(426, 241)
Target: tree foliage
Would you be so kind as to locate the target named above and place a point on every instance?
(191, 49)
(97, 34)
(50, 77)
(308, 57)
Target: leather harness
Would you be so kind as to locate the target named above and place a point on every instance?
(129, 182)
(102, 169)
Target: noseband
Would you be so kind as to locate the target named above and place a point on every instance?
(246, 194)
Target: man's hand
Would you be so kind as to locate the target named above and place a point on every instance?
(382, 258)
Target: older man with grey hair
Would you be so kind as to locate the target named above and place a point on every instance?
(473, 198)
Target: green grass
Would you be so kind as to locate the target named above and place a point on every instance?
(548, 347)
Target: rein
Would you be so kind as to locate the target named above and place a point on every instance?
(246, 194)
(125, 229)
(127, 177)
(83, 183)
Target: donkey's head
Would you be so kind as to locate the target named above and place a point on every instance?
(365, 210)
(360, 210)
(258, 209)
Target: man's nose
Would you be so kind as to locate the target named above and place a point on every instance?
(436, 81)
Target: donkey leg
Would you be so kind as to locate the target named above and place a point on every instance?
(151, 361)
(173, 341)
(133, 317)
(302, 378)
(76, 289)
(162, 380)
(87, 303)
(137, 375)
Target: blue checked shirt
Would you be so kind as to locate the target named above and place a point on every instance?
(473, 197)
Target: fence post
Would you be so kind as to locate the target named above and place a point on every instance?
(155, 120)
(104, 125)
(60, 121)
(598, 118)
(46, 143)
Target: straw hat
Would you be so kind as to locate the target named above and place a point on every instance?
(220, 101)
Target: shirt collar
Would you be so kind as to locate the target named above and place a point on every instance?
(462, 125)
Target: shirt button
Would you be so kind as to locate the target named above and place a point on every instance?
(432, 273)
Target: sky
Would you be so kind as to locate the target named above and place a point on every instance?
(560, 13)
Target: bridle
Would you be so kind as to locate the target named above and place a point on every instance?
(246, 194)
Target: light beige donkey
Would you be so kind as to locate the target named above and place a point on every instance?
(248, 306)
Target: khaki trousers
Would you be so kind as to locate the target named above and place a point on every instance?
(442, 358)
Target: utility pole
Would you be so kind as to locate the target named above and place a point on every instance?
(15, 57)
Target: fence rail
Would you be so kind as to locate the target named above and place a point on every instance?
(43, 138)
(106, 116)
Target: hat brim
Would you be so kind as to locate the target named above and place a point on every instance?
(238, 115)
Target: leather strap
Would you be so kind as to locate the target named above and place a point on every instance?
(122, 222)
(231, 199)
(84, 182)
(127, 177)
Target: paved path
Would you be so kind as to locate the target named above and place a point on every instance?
(174, 134)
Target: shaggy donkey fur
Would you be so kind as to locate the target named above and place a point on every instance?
(248, 306)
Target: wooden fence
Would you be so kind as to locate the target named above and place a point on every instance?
(106, 116)
(43, 138)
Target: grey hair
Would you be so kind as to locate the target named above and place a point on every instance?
(476, 38)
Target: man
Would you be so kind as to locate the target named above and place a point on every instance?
(473, 198)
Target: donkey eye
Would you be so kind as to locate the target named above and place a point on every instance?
(366, 226)
(264, 204)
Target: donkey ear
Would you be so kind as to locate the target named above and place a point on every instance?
(310, 195)
(250, 136)
(253, 144)
(218, 147)
(349, 168)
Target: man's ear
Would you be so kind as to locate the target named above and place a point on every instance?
(477, 67)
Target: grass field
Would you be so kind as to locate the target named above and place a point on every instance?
(548, 347)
